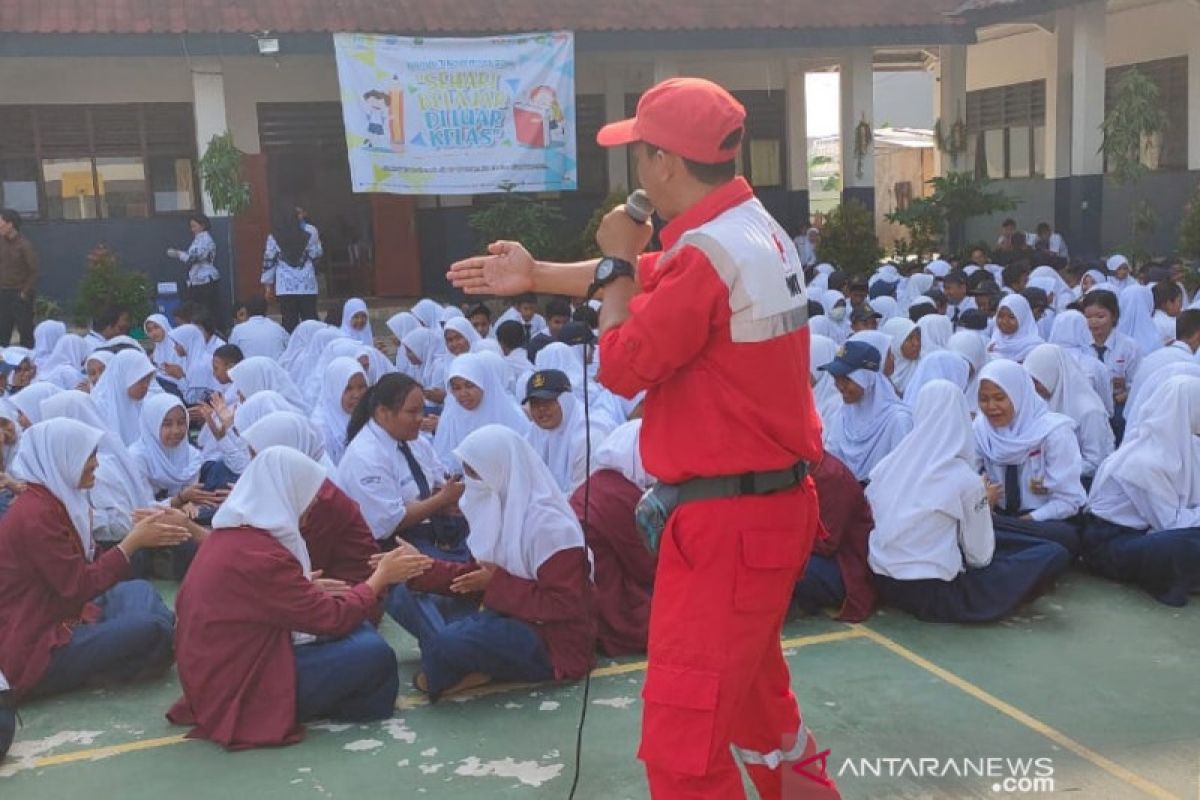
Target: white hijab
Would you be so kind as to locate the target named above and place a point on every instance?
(164, 351)
(1017, 346)
(497, 407)
(822, 350)
(288, 429)
(973, 348)
(260, 374)
(103, 357)
(45, 338)
(259, 406)
(69, 351)
(28, 401)
(1070, 332)
(1062, 292)
(9, 412)
(463, 327)
(402, 324)
(864, 424)
(899, 329)
(430, 349)
(112, 392)
(1161, 457)
(342, 346)
(53, 454)
(569, 360)
(915, 288)
(886, 306)
(559, 448)
(944, 365)
(168, 469)
(518, 516)
(306, 362)
(1137, 318)
(1032, 421)
(1070, 392)
(621, 452)
(936, 330)
(298, 343)
(931, 470)
(62, 376)
(356, 305)
(1140, 402)
(328, 417)
(429, 314)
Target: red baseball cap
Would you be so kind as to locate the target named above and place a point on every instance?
(690, 117)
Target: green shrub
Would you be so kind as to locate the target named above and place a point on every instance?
(519, 218)
(848, 239)
(105, 284)
(587, 240)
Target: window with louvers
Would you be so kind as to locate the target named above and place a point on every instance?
(1006, 127)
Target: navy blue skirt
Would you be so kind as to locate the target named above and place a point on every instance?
(1166, 564)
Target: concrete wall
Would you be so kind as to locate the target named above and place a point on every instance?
(1035, 199)
(896, 165)
(1167, 193)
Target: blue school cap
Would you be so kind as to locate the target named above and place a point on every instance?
(883, 289)
(853, 356)
(546, 384)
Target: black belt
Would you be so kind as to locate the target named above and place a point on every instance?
(748, 483)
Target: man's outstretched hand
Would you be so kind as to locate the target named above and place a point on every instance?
(506, 272)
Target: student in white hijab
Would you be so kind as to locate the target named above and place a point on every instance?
(1141, 402)
(1070, 332)
(1137, 318)
(306, 362)
(461, 336)
(121, 390)
(973, 348)
(28, 402)
(1066, 391)
(429, 313)
(621, 452)
(259, 374)
(837, 315)
(356, 321)
(886, 306)
(936, 330)
(95, 365)
(944, 365)
(1016, 330)
(288, 429)
(476, 397)
(1031, 454)
(874, 419)
(917, 286)
(120, 487)
(298, 343)
(933, 550)
(522, 532)
(1119, 277)
(196, 352)
(425, 350)
(377, 364)
(343, 384)
(168, 462)
(63, 377)
(905, 346)
(559, 431)
(1145, 500)
(45, 337)
(1062, 293)
(69, 351)
(822, 350)
(338, 348)
(166, 360)
(605, 406)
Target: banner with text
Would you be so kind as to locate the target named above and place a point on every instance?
(459, 116)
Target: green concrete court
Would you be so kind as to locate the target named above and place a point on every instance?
(1096, 676)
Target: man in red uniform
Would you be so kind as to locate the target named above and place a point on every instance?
(717, 338)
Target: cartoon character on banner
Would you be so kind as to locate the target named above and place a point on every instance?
(539, 119)
(384, 112)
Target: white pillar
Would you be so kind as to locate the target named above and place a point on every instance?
(950, 103)
(614, 109)
(1059, 92)
(858, 104)
(1194, 92)
(1088, 89)
(665, 68)
(208, 104)
(797, 127)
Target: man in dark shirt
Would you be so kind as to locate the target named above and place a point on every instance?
(18, 279)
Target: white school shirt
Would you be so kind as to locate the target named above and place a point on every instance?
(940, 546)
(537, 324)
(1057, 463)
(94, 340)
(1165, 324)
(1056, 244)
(967, 304)
(260, 336)
(1121, 357)
(376, 475)
(1122, 503)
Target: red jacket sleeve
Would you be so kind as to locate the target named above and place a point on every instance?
(53, 549)
(668, 325)
(289, 600)
(351, 544)
(439, 576)
(558, 595)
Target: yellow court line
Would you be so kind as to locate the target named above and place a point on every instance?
(111, 750)
(1009, 710)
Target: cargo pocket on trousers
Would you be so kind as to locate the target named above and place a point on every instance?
(680, 718)
(769, 562)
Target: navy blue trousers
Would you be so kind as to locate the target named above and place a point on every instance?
(1166, 563)
(1061, 532)
(821, 586)
(456, 639)
(132, 641)
(1021, 569)
(352, 678)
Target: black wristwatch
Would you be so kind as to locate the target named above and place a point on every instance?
(607, 271)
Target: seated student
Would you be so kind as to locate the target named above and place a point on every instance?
(1168, 304)
(340, 543)
(1116, 351)
(109, 322)
(164, 357)
(481, 319)
(624, 566)
(1016, 330)
(10, 438)
(394, 474)
(523, 607)
(957, 301)
(936, 331)
(94, 366)
(250, 664)
(1181, 351)
(1043, 312)
(934, 551)
(828, 399)
(525, 311)
(28, 404)
(1137, 318)
(224, 359)
(461, 336)
(1119, 277)
(1145, 500)
(864, 318)
(947, 365)
(510, 335)
(1070, 332)
(1031, 454)
(67, 616)
(478, 398)
(558, 314)
(837, 575)
(560, 429)
(120, 391)
(426, 352)
(356, 322)
(874, 419)
(905, 347)
(343, 384)
(259, 335)
(195, 350)
(1066, 391)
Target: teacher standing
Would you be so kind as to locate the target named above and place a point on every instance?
(203, 279)
(289, 271)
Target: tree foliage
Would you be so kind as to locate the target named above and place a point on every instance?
(956, 198)
(848, 239)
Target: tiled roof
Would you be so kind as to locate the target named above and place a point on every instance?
(476, 16)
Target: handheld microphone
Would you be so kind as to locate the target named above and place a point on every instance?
(638, 207)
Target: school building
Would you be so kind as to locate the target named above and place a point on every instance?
(105, 107)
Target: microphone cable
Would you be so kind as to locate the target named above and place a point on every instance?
(587, 504)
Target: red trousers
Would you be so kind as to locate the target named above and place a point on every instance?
(717, 676)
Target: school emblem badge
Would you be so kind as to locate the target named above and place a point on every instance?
(539, 381)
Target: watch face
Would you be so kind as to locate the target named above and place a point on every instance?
(604, 269)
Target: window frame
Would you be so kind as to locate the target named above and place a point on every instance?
(1005, 108)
